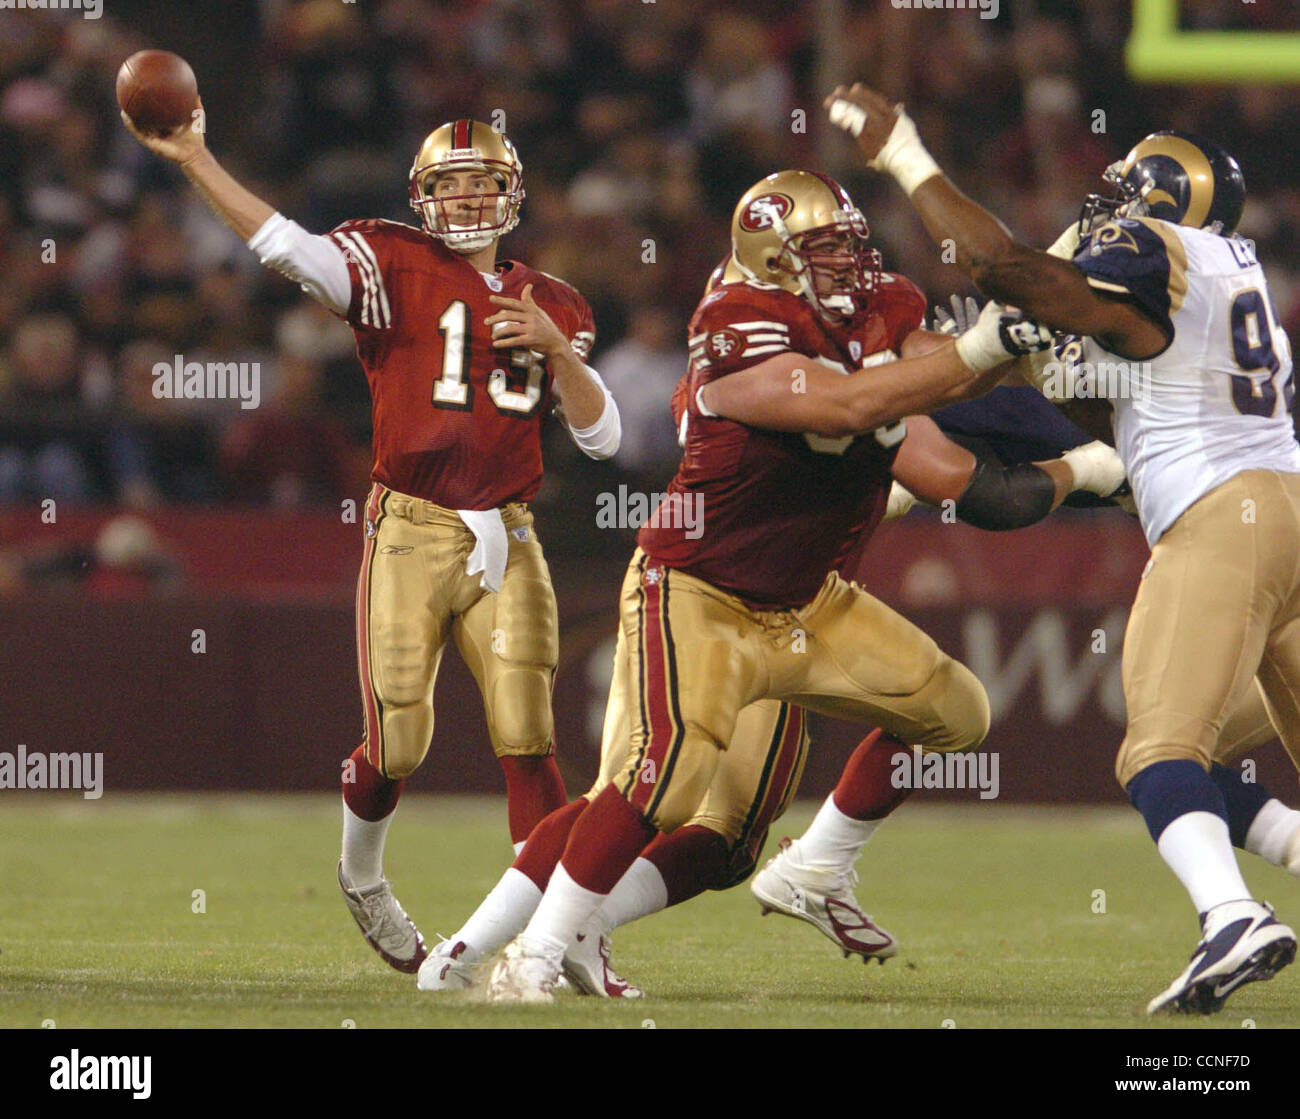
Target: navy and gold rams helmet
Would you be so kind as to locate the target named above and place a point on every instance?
(1175, 177)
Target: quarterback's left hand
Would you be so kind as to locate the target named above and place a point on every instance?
(522, 324)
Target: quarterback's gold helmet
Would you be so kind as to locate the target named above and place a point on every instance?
(467, 145)
(800, 231)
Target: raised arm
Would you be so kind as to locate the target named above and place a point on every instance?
(1044, 287)
(237, 206)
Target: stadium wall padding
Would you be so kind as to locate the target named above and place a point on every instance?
(272, 703)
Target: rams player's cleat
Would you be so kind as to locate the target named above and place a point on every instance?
(823, 897)
(587, 968)
(384, 924)
(526, 972)
(1248, 944)
(445, 970)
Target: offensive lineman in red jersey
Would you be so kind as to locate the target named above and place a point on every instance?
(790, 455)
(759, 772)
(465, 357)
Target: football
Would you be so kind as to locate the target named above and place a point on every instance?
(157, 90)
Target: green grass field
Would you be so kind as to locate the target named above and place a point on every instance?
(994, 908)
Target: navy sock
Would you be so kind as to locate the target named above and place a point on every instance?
(1244, 799)
(1166, 790)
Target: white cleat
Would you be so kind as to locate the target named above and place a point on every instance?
(445, 970)
(1247, 944)
(384, 924)
(587, 968)
(526, 972)
(822, 897)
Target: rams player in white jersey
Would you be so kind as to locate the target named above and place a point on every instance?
(1163, 291)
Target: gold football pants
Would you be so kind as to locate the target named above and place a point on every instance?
(1219, 604)
(691, 658)
(413, 593)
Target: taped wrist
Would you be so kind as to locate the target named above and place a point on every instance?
(1004, 497)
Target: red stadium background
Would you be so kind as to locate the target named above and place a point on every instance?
(272, 700)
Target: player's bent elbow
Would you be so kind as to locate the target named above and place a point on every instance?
(864, 415)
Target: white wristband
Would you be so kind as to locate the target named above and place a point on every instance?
(904, 156)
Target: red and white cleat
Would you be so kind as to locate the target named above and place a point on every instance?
(823, 897)
(587, 968)
(445, 969)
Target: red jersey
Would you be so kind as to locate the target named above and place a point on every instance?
(764, 515)
(455, 421)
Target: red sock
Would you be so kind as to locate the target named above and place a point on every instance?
(369, 794)
(691, 860)
(866, 788)
(605, 841)
(534, 789)
(541, 854)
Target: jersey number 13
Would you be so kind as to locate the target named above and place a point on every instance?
(453, 388)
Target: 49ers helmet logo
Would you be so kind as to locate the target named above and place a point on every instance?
(758, 214)
(724, 343)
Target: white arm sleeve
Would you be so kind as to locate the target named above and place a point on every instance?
(602, 438)
(314, 262)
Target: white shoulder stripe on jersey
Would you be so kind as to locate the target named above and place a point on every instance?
(374, 303)
(777, 326)
(385, 313)
(774, 348)
(364, 271)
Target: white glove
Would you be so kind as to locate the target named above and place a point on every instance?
(900, 501)
(960, 319)
(1000, 335)
(1096, 467)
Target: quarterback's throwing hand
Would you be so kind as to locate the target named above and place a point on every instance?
(522, 324)
(179, 146)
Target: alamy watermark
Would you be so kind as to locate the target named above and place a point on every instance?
(210, 380)
(89, 9)
(632, 509)
(988, 9)
(1102, 380)
(35, 770)
(969, 770)
(84, 1072)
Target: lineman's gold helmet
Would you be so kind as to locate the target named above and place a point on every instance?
(800, 231)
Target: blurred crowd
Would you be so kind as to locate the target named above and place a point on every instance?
(639, 123)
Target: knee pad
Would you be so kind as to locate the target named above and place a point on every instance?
(407, 732)
(961, 706)
(522, 722)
